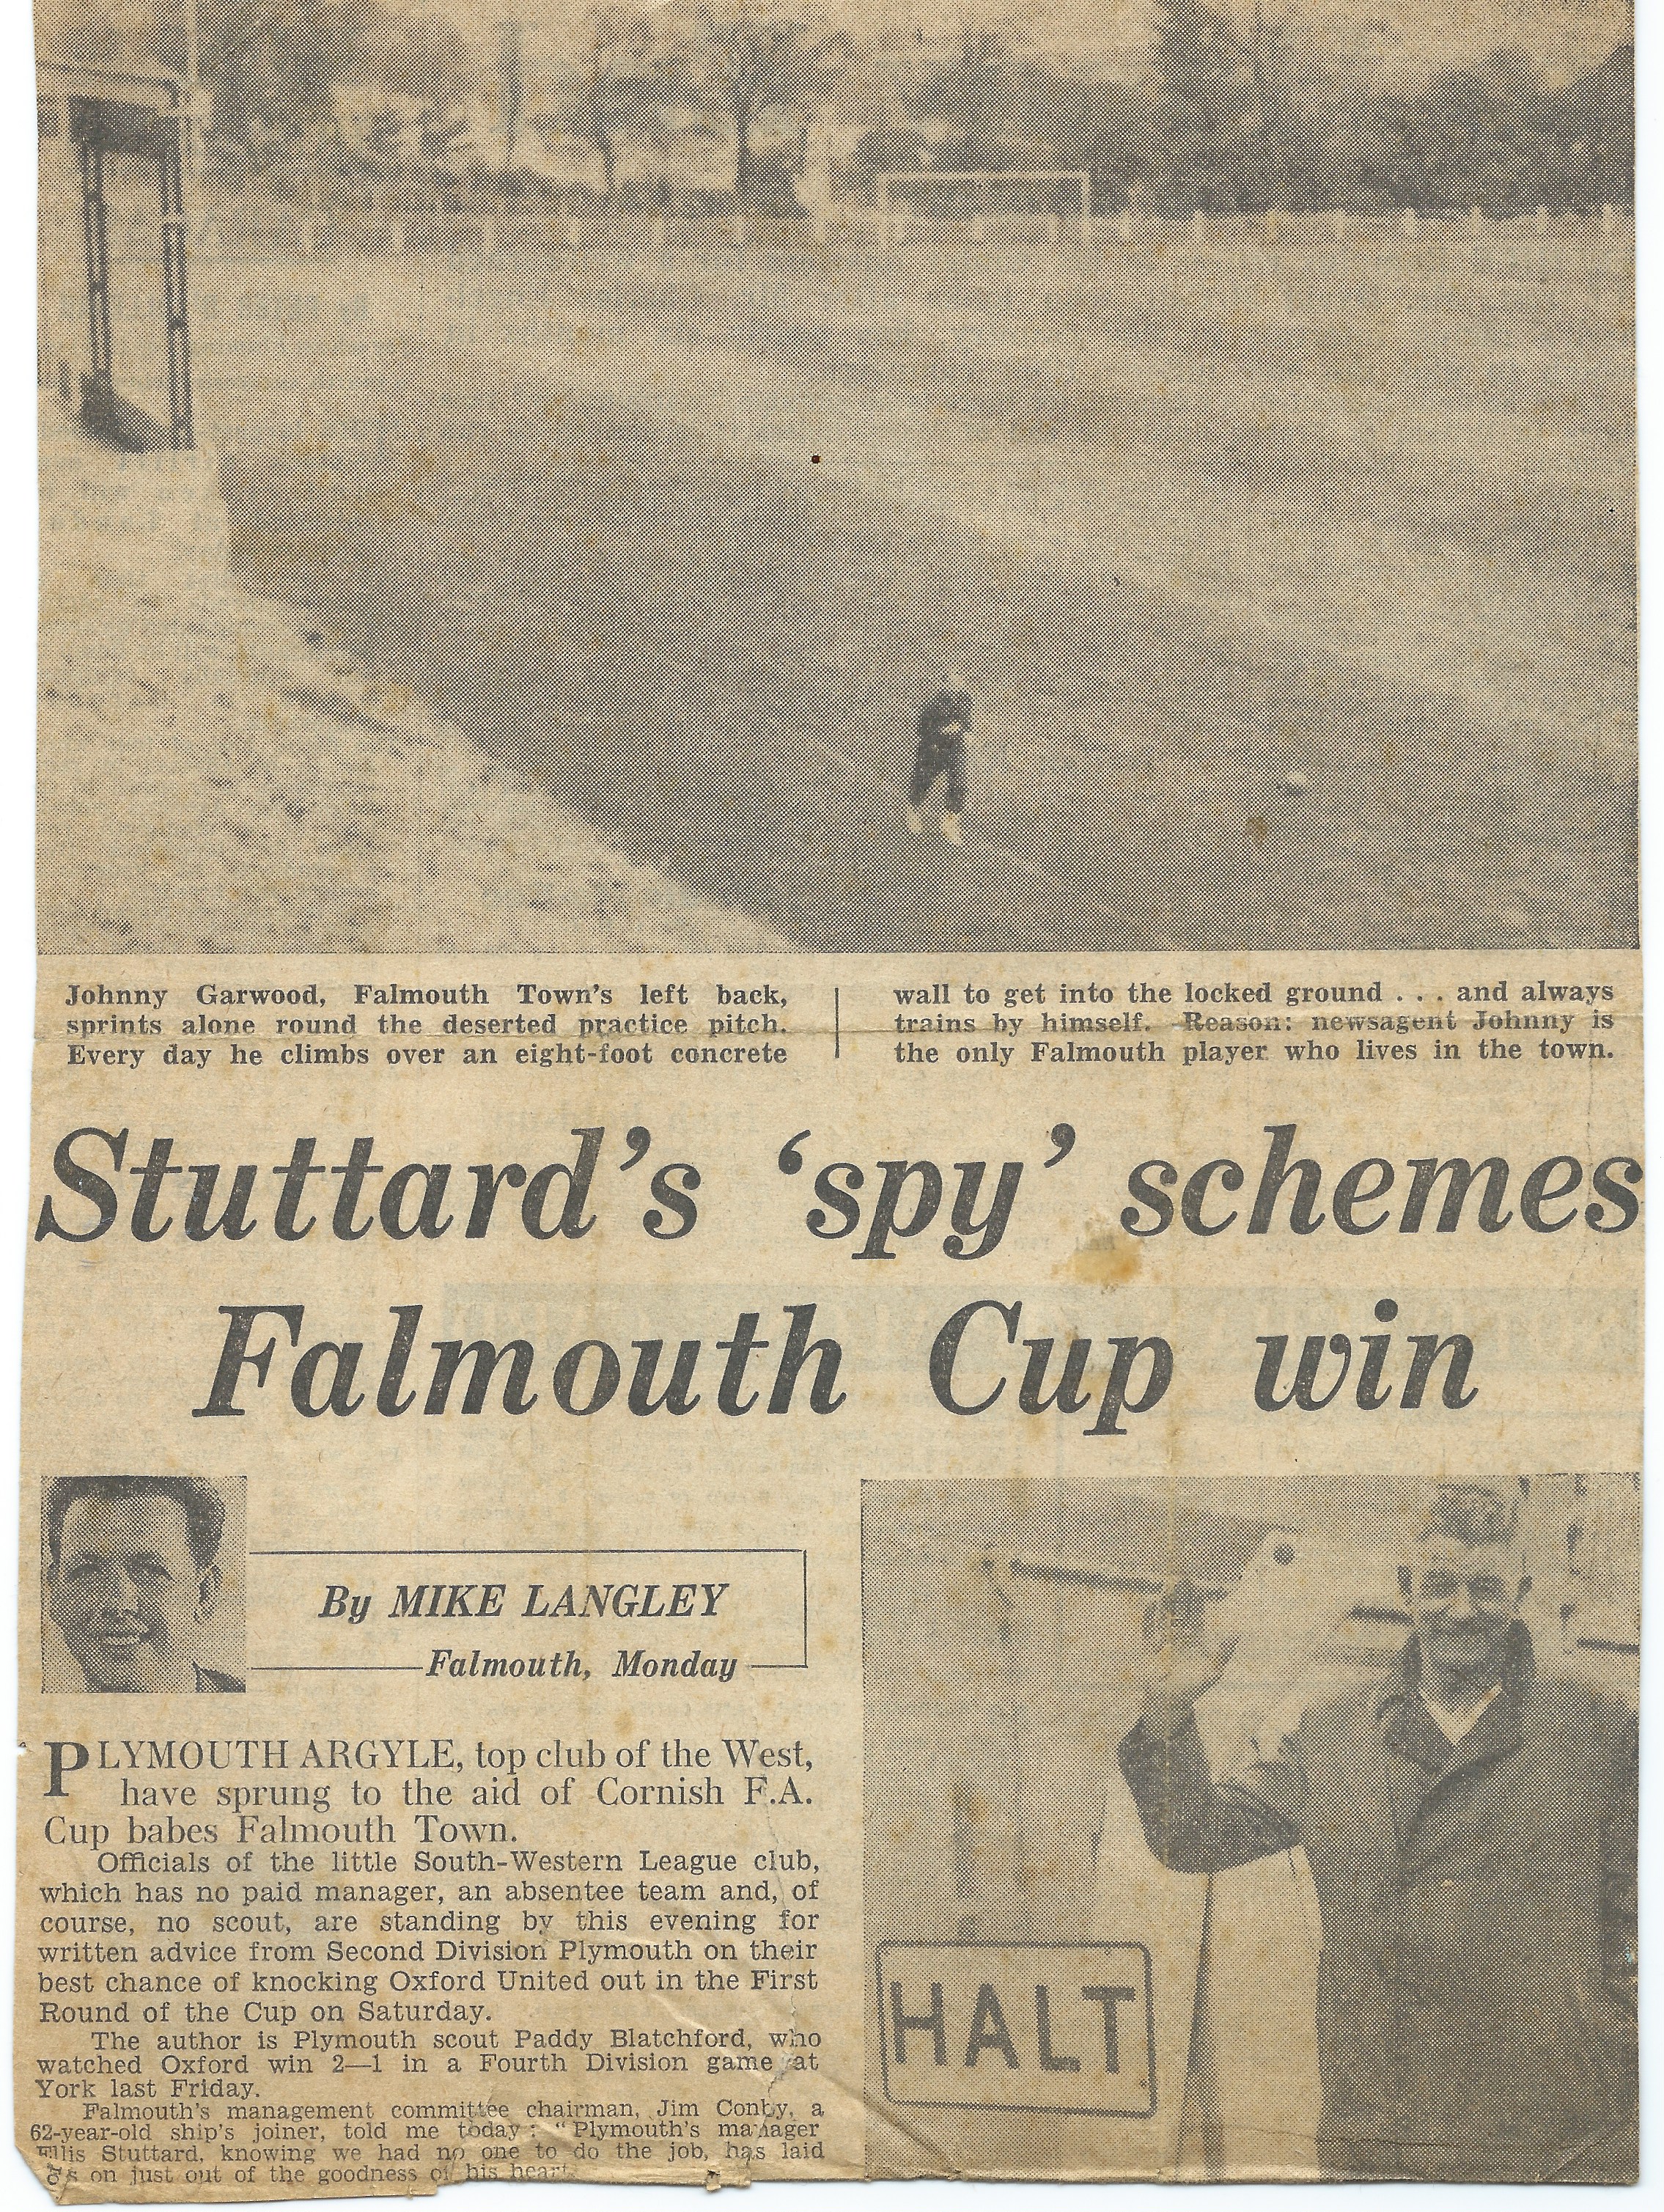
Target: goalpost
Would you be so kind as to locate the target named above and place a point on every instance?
(974, 189)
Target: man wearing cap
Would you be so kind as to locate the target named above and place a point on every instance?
(1471, 1831)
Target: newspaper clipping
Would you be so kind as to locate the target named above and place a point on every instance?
(836, 1182)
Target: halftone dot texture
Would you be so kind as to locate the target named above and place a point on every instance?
(1477, 1901)
(1291, 566)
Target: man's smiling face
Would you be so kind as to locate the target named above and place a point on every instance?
(129, 1594)
(1464, 1599)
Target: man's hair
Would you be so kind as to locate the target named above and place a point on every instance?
(1470, 1513)
(200, 1502)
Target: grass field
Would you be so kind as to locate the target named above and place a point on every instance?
(1295, 580)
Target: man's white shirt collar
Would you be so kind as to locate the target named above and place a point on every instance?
(1455, 1725)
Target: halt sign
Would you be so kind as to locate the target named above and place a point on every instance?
(1034, 2028)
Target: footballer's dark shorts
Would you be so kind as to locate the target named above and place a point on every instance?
(944, 758)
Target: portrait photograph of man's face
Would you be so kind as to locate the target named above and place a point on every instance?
(133, 1583)
(1464, 1601)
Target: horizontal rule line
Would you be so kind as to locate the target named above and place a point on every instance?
(337, 1670)
(545, 1552)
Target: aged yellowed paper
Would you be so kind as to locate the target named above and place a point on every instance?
(833, 1352)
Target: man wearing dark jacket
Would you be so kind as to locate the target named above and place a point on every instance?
(1471, 1832)
(944, 727)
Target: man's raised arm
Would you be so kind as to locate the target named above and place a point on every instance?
(1192, 1823)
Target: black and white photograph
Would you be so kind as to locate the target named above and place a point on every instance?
(754, 477)
(1253, 1828)
(1013, 1555)
(145, 1585)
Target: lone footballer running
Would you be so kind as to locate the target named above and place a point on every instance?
(944, 727)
